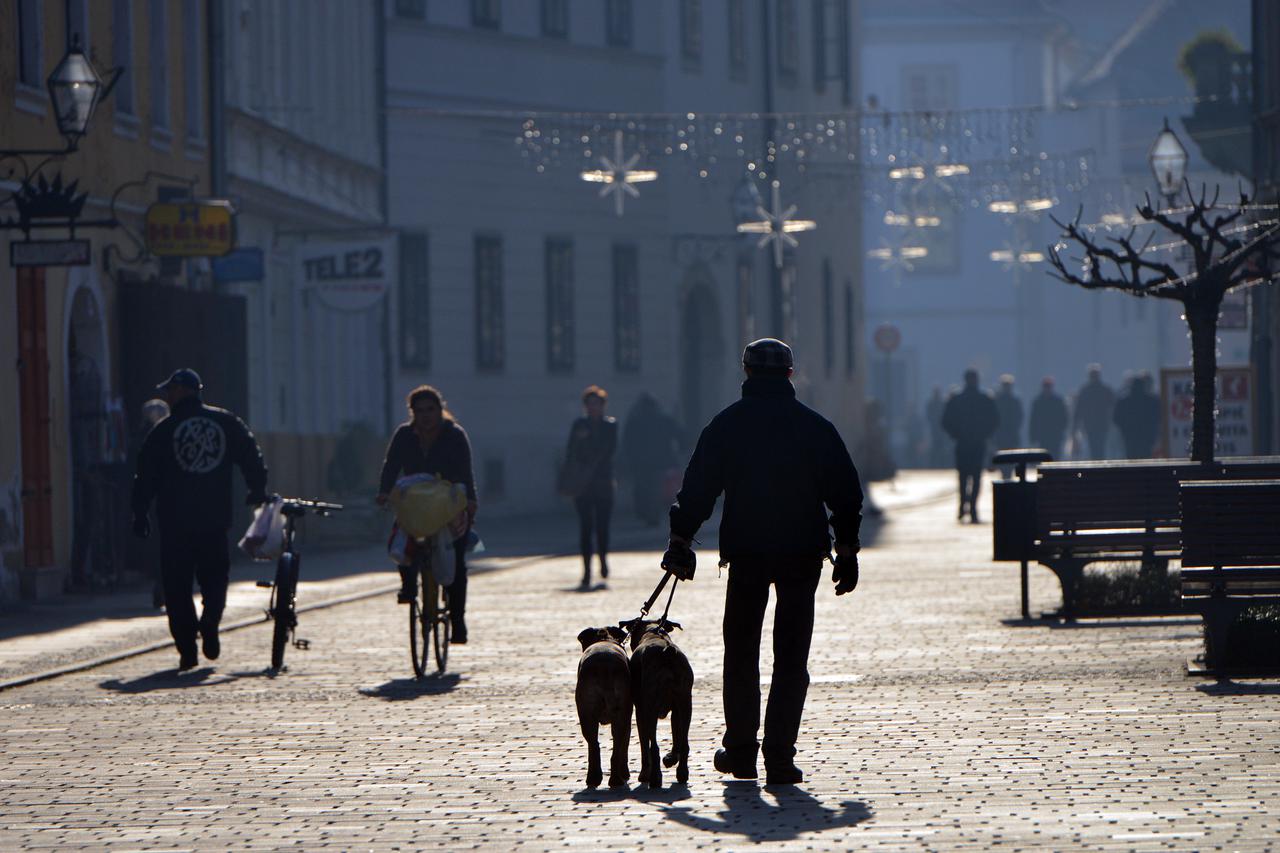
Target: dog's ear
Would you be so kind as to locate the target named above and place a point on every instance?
(588, 636)
(617, 633)
(667, 626)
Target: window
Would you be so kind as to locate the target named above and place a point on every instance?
(617, 25)
(850, 344)
(158, 61)
(746, 275)
(626, 309)
(486, 14)
(192, 62)
(122, 56)
(30, 42)
(929, 88)
(560, 331)
(691, 32)
(831, 46)
(738, 39)
(78, 21)
(788, 40)
(490, 331)
(415, 302)
(828, 319)
(415, 9)
(555, 18)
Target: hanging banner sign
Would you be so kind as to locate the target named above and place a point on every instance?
(196, 229)
(245, 264)
(49, 253)
(350, 276)
(1234, 425)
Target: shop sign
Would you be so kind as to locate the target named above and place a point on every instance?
(245, 264)
(193, 229)
(349, 276)
(1234, 426)
(49, 253)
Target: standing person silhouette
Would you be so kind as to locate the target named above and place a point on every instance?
(780, 466)
(1048, 424)
(1095, 404)
(593, 439)
(970, 418)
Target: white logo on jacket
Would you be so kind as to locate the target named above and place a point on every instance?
(199, 445)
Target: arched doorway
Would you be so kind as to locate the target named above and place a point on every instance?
(701, 353)
(86, 421)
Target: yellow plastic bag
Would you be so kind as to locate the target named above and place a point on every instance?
(424, 505)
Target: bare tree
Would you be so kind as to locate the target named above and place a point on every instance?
(1228, 252)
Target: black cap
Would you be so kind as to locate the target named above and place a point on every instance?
(184, 378)
(768, 353)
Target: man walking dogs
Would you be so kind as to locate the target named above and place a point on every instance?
(185, 466)
(780, 466)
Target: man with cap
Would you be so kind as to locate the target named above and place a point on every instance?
(780, 466)
(185, 466)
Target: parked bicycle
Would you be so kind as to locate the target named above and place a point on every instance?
(282, 609)
(429, 622)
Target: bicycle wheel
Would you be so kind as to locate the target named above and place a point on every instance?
(441, 626)
(417, 641)
(282, 613)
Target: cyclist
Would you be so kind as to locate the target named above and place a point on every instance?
(432, 442)
(185, 467)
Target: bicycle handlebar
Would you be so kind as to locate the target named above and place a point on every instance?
(301, 505)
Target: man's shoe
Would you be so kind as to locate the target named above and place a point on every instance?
(211, 644)
(973, 518)
(407, 593)
(188, 661)
(739, 770)
(787, 774)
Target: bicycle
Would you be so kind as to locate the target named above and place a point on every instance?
(282, 608)
(429, 620)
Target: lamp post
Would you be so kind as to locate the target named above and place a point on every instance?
(1168, 159)
(75, 89)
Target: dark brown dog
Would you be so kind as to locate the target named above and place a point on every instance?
(603, 695)
(661, 684)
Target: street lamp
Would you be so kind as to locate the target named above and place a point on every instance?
(1168, 159)
(75, 90)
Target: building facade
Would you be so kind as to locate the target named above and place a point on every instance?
(520, 285)
(1266, 166)
(80, 346)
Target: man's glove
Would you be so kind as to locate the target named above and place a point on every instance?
(255, 499)
(141, 527)
(679, 559)
(845, 572)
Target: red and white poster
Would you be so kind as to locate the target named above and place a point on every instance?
(1234, 425)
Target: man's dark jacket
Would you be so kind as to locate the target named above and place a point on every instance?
(778, 463)
(970, 418)
(185, 466)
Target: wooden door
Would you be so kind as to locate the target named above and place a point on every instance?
(35, 425)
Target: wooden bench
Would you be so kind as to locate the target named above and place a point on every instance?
(1230, 554)
(1124, 510)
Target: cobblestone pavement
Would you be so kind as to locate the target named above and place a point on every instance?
(931, 724)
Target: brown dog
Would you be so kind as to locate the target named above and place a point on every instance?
(661, 684)
(603, 695)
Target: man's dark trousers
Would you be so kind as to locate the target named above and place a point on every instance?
(199, 555)
(969, 460)
(796, 581)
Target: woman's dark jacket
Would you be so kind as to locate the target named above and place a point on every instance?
(780, 465)
(592, 444)
(448, 458)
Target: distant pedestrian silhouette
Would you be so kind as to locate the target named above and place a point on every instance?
(650, 449)
(1048, 424)
(1095, 402)
(1009, 433)
(1137, 415)
(970, 418)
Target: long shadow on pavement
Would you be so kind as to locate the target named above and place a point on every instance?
(405, 689)
(1235, 688)
(166, 679)
(749, 814)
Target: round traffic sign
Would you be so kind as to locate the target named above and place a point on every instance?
(887, 337)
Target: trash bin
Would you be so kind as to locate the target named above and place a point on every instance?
(1014, 528)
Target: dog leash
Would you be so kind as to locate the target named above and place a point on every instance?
(644, 608)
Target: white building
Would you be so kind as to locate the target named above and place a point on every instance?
(520, 286)
(300, 154)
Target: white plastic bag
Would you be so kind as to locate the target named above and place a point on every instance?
(264, 539)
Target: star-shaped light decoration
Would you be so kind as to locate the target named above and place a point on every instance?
(618, 174)
(1020, 256)
(776, 226)
(898, 257)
